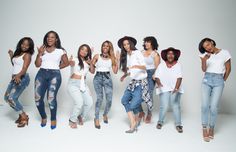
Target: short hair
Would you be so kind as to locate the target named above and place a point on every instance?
(200, 46)
(153, 42)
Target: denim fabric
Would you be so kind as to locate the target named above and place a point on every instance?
(212, 89)
(49, 81)
(103, 83)
(82, 100)
(132, 99)
(14, 91)
(174, 100)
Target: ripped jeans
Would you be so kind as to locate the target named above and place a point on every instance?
(47, 80)
(14, 91)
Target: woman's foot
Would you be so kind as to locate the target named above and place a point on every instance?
(53, 124)
(97, 124)
(24, 120)
(105, 119)
(205, 135)
(159, 126)
(148, 118)
(43, 122)
(132, 129)
(18, 119)
(211, 133)
(80, 120)
(179, 129)
(72, 124)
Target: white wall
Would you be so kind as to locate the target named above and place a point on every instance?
(181, 24)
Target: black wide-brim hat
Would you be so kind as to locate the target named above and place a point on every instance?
(164, 53)
(120, 42)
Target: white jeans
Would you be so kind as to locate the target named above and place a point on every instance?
(82, 100)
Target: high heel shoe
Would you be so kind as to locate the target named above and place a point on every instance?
(205, 135)
(72, 124)
(132, 130)
(148, 118)
(18, 119)
(53, 125)
(96, 124)
(43, 122)
(81, 122)
(211, 133)
(105, 119)
(23, 121)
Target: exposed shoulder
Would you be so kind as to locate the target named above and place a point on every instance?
(155, 53)
(27, 56)
(96, 56)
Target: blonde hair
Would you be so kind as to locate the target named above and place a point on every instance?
(110, 52)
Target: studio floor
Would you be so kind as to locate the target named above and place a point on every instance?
(111, 137)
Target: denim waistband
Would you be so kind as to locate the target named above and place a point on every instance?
(106, 74)
(50, 70)
(213, 79)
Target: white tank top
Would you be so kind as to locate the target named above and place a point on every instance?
(149, 61)
(103, 65)
(18, 63)
(52, 60)
(77, 69)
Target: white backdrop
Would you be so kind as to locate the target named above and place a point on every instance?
(181, 24)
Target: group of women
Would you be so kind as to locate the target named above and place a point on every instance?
(144, 68)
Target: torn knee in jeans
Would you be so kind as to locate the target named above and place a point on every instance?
(37, 96)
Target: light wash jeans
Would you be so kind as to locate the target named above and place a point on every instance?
(14, 91)
(102, 83)
(82, 100)
(212, 88)
(167, 98)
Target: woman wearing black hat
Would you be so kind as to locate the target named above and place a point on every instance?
(216, 63)
(169, 77)
(133, 65)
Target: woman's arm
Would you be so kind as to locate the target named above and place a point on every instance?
(177, 85)
(227, 69)
(93, 62)
(204, 60)
(38, 60)
(64, 61)
(27, 60)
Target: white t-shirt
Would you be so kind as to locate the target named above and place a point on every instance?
(136, 58)
(52, 60)
(103, 65)
(18, 63)
(168, 77)
(216, 62)
(76, 69)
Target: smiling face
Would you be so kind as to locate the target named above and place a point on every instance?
(51, 39)
(147, 45)
(83, 52)
(25, 46)
(208, 46)
(126, 45)
(170, 56)
(105, 48)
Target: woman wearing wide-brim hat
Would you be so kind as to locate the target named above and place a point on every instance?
(133, 65)
(169, 86)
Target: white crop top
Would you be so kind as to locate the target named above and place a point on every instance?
(103, 65)
(52, 60)
(149, 60)
(77, 69)
(216, 62)
(18, 63)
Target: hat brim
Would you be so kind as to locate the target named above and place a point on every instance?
(120, 42)
(164, 53)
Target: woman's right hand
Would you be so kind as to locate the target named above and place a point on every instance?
(71, 61)
(207, 56)
(10, 52)
(41, 49)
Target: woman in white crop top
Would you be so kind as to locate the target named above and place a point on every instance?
(216, 63)
(20, 79)
(51, 58)
(152, 60)
(77, 87)
(103, 63)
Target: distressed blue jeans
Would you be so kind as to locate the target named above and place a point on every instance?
(49, 81)
(212, 89)
(103, 83)
(14, 91)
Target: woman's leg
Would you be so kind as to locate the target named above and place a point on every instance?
(164, 104)
(108, 88)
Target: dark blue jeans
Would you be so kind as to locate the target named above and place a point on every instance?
(14, 91)
(49, 81)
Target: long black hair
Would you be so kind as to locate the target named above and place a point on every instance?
(87, 57)
(123, 56)
(200, 46)
(58, 42)
(19, 51)
(153, 42)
